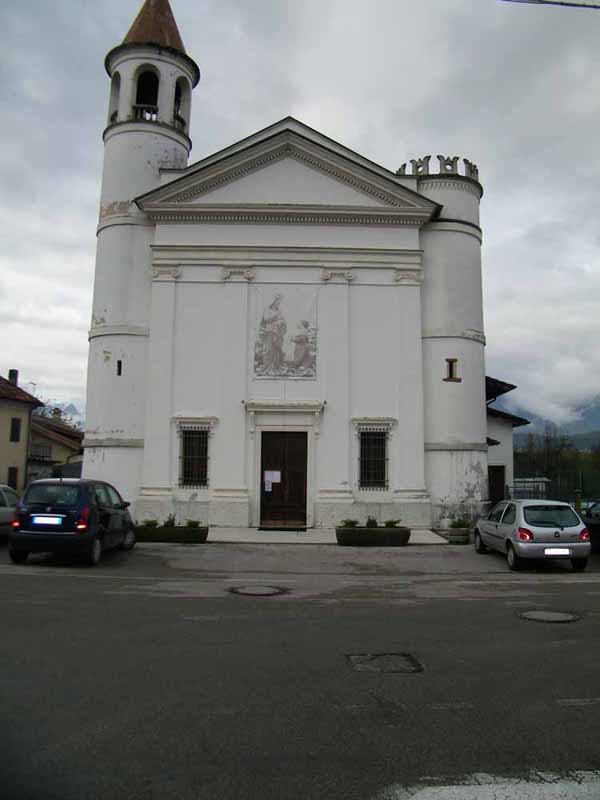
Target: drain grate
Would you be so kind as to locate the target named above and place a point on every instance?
(550, 616)
(385, 662)
(258, 591)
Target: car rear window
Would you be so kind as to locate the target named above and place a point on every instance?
(52, 494)
(551, 516)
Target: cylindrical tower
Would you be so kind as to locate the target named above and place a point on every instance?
(148, 130)
(453, 342)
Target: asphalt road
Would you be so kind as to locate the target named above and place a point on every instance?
(148, 678)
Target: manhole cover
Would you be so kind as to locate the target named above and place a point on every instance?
(550, 616)
(384, 662)
(258, 591)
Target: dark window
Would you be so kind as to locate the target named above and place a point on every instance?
(452, 370)
(551, 516)
(52, 494)
(194, 458)
(12, 498)
(496, 512)
(119, 368)
(146, 98)
(15, 429)
(373, 460)
(510, 515)
(13, 477)
(101, 495)
(115, 499)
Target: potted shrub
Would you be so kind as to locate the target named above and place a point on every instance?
(193, 532)
(350, 534)
(459, 531)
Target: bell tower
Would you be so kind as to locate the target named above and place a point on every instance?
(148, 129)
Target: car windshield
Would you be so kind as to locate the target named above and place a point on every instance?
(52, 494)
(551, 516)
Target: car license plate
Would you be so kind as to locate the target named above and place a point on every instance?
(47, 520)
(557, 551)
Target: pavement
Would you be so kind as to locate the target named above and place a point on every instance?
(371, 674)
(310, 536)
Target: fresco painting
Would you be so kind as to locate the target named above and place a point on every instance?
(285, 343)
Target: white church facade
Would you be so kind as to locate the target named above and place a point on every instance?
(284, 334)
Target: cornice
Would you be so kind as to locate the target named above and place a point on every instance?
(107, 442)
(237, 257)
(470, 335)
(286, 406)
(455, 182)
(285, 215)
(456, 447)
(452, 226)
(117, 330)
(147, 126)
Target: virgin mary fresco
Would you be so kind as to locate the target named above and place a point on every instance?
(279, 355)
(269, 356)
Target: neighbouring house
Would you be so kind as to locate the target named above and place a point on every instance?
(16, 407)
(500, 427)
(284, 333)
(55, 448)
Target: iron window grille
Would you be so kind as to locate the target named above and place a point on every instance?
(193, 457)
(373, 459)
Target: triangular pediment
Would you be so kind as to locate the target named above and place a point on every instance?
(289, 174)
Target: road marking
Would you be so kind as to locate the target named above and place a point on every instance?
(536, 786)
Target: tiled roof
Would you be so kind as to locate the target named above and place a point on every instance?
(494, 388)
(57, 426)
(8, 391)
(155, 24)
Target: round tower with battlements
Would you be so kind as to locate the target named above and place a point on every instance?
(148, 130)
(453, 339)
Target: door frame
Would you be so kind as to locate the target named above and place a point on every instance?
(255, 494)
(287, 429)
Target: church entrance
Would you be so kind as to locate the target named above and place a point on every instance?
(283, 479)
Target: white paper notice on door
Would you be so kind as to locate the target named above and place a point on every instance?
(268, 486)
(273, 476)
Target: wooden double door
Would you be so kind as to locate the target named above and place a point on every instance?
(283, 479)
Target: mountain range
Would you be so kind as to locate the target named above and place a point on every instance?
(583, 432)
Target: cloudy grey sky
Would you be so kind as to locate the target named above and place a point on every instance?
(513, 87)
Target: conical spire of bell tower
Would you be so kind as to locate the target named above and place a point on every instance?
(155, 24)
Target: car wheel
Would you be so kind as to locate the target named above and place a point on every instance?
(479, 545)
(513, 560)
(95, 553)
(17, 556)
(128, 542)
(579, 564)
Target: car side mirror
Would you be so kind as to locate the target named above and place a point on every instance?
(125, 505)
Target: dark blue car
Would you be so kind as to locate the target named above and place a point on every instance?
(70, 516)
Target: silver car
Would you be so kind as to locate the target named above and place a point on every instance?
(525, 529)
(8, 500)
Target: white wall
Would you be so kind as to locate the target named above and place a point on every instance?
(501, 455)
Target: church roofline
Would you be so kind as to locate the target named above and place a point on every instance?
(290, 124)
